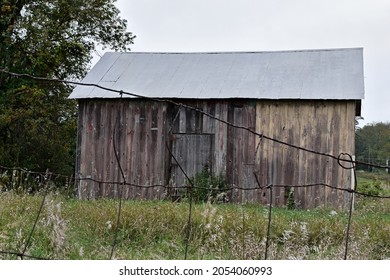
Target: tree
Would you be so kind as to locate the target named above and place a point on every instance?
(373, 143)
(53, 39)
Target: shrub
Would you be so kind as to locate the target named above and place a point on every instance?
(208, 187)
(371, 188)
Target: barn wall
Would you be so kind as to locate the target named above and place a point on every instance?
(144, 128)
(139, 131)
(323, 126)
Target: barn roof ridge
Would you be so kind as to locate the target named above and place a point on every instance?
(335, 74)
(240, 52)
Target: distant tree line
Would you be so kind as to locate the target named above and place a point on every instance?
(373, 144)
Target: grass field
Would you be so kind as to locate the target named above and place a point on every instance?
(72, 229)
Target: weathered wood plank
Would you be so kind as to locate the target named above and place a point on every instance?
(142, 133)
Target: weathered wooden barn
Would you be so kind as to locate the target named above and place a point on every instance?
(305, 98)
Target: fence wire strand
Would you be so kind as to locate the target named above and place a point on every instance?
(120, 192)
(121, 93)
(45, 192)
(343, 159)
(351, 203)
(190, 187)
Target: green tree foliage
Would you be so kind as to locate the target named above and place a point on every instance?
(373, 143)
(53, 39)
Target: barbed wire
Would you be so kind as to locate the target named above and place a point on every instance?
(190, 190)
(181, 105)
(342, 160)
(222, 189)
(351, 202)
(22, 256)
(120, 191)
(268, 188)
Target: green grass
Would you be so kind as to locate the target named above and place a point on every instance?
(74, 229)
(370, 177)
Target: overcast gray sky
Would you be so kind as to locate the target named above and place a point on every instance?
(269, 25)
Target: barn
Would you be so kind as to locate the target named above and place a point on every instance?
(241, 115)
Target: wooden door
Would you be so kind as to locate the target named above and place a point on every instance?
(193, 152)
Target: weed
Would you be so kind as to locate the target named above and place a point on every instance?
(211, 230)
(372, 188)
(79, 229)
(55, 224)
(208, 187)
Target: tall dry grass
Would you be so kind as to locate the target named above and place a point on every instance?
(74, 229)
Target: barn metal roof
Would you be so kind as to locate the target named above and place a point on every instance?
(308, 74)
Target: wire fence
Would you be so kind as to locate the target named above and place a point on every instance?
(23, 180)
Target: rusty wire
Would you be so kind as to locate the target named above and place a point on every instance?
(342, 161)
(121, 93)
(269, 187)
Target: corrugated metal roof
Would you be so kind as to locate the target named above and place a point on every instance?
(308, 74)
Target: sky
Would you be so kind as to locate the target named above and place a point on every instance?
(271, 25)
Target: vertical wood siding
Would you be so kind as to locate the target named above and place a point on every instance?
(193, 152)
(143, 128)
(323, 126)
(139, 131)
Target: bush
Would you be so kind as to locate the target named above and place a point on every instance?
(371, 188)
(208, 187)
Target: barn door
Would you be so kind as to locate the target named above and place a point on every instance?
(193, 152)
